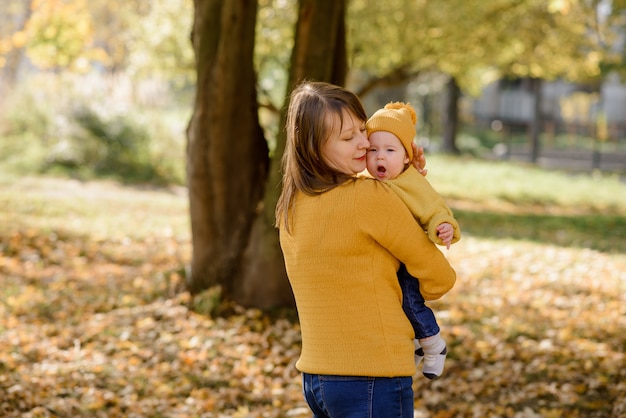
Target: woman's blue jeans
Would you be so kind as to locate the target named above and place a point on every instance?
(358, 397)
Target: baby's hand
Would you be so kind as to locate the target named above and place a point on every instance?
(445, 232)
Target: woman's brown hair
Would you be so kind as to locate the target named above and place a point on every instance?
(311, 106)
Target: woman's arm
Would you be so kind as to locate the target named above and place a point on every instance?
(384, 217)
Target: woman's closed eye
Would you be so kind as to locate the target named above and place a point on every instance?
(350, 137)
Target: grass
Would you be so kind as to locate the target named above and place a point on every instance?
(527, 186)
(98, 208)
(490, 199)
(507, 200)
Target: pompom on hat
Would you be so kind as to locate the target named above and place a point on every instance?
(399, 119)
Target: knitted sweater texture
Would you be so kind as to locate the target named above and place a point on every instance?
(426, 205)
(341, 255)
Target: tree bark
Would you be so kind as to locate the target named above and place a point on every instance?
(451, 117)
(9, 73)
(227, 155)
(319, 54)
(536, 122)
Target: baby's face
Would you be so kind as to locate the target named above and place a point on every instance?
(386, 157)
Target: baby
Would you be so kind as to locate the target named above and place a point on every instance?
(391, 131)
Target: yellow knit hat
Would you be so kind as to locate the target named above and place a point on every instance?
(399, 119)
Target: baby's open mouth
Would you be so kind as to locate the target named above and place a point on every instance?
(381, 169)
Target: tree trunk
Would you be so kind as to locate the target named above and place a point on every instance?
(227, 155)
(319, 54)
(451, 117)
(535, 123)
(13, 58)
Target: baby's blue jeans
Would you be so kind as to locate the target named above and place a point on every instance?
(421, 316)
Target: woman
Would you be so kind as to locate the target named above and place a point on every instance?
(343, 238)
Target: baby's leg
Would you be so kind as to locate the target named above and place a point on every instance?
(428, 345)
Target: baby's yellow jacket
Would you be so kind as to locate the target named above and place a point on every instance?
(426, 205)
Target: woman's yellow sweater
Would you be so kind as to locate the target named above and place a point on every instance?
(342, 255)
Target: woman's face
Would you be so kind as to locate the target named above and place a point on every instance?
(346, 148)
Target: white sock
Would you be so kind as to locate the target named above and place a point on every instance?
(435, 352)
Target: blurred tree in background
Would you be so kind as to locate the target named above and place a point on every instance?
(456, 46)
(467, 44)
(59, 36)
(126, 64)
(134, 36)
